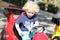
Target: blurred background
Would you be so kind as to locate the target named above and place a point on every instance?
(48, 9)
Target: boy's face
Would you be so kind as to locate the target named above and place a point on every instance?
(30, 13)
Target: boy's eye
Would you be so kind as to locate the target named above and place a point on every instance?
(30, 12)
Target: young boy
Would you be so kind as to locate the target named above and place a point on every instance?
(29, 19)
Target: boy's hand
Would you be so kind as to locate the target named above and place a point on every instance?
(20, 32)
(31, 28)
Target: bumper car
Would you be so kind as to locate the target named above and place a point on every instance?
(10, 32)
(41, 34)
(56, 35)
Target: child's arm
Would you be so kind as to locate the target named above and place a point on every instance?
(18, 28)
(19, 20)
(34, 25)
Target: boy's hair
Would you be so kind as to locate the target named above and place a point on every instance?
(31, 6)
